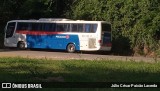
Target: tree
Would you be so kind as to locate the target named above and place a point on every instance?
(134, 20)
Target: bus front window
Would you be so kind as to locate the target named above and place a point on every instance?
(10, 29)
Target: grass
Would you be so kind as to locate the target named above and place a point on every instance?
(46, 70)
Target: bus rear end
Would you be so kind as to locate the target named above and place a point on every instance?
(106, 37)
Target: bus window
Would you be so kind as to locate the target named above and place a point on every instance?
(35, 27)
(74, 27)
(60, 28)
(66, 27)
(53, 27)
(87, 28)
(40, 27)
(94, 28)
(22, 26)
(80, 28)
(29, 26)
(49, 27)
(90, 28)
(10, 29)
(77, 27)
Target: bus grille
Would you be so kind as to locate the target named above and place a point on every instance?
(92, 43)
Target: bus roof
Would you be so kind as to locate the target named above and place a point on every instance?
(57, 20)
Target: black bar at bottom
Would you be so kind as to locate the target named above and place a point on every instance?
(80, 85)
(77, 85)
(101, 85)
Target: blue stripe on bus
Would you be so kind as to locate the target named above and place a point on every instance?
(56, 41)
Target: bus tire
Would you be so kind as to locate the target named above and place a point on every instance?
(21, 45)
(71, 48)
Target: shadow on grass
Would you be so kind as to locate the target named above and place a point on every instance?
(72, 73)
(8, 49)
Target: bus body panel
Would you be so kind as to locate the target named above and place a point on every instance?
(13, 41)
(89, 42)
(56, 41)
(59, 40)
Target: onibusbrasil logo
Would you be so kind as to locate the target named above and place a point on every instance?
(15, 85)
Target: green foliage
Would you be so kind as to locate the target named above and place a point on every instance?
(137, 20)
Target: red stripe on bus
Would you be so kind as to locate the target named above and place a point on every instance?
(37, 32)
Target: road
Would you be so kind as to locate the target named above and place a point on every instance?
(61, 55)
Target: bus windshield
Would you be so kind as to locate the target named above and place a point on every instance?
(10, 29)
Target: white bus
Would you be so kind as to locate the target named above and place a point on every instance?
(65, 34)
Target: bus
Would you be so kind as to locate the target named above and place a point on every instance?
(57, 33)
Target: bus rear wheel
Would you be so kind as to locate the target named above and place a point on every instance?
(71, 48)
(21, 45)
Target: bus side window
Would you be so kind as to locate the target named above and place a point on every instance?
(47, 27)
(53, 28)
(66, 27)
(94, 28)
(35, 27)
(29, 27)
(59, 28)
(80, 28)
(22, 26)
(90, 28)
(40, 26)
(74, 27)
(87, 28)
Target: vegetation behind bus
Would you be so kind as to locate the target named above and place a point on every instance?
(135, 23)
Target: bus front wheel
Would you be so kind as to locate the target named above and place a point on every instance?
(21, 45)
(71, 48)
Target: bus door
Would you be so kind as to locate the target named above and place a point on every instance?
(9, 33)
(106, 35)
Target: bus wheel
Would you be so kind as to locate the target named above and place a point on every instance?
(71, 48)
(21, 45)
